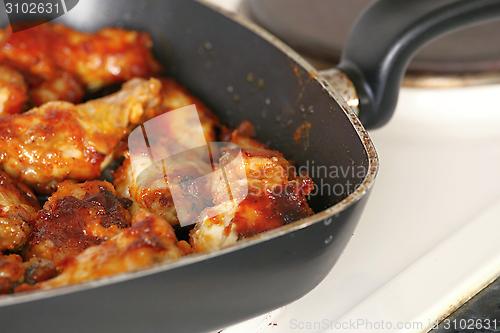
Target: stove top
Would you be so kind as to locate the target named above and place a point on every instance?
(428, 239)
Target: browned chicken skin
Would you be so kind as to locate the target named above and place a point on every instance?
(59, 140)
(75, 217)
(60, 63)
(63, 87)
(150, 240)
(18, 206)
(11, 272)
(156, 200)
(88, 230)
(275, 196)
(13, 91)
(155, 196)
(174, 96)
(16, 275)
(85, 232)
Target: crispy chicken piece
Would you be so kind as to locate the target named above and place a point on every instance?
(156, 199)
(59, 140)
(63, 87)
(16, 275)
(155, 196)
(60, 62)
(18, 206)
(149, 241)
(75, 217)
(11, 272)
(38, 270)
(276, 196)
(243, 136)
(150, 190)
(175, 96)
(13, 91)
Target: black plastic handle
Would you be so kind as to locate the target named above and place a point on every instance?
(388, 34)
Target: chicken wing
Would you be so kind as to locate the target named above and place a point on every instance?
(276, 196)
(175, 96)
(18, 206)
(75, 217)
(60, 62)
(62, 87)
(59, 140)
(150, 240)
(155, 195)
(16, 275)
(11, 272)
(13, 91)
(90, 229)
(157, 200)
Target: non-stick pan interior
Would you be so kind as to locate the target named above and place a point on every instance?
(241, 76)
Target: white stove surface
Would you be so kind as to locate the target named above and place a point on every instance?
(428, 239)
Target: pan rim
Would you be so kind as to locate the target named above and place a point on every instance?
(324, 215)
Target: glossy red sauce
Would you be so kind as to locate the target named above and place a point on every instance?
(69, 224)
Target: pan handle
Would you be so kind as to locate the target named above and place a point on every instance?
(387, 35)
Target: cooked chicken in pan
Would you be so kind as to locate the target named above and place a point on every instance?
(276, 196)
(59, 140)
(148, 241)
(18, 206)
(16, 275)
(13, 91)
(62, 87)
(60, 63)
(75, 217)
(155, 196)
(110, 199)
(174, 96)
(11, 272)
